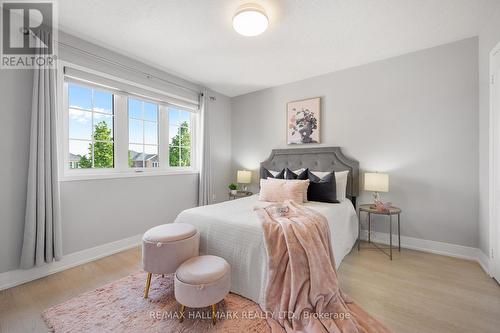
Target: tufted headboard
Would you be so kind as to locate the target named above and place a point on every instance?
(316, 159)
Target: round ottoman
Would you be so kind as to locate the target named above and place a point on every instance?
(202, 281)
(166, 246)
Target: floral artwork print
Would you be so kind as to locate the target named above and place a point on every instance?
(303, 121)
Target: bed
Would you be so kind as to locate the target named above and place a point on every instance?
(232, 229)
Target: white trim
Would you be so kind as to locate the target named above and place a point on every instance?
(424, 245)
(127, 174)
(494, 136)
(19, 276)
(484, 262)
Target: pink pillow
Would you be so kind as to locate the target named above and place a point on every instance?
(294, 180)
(279, 190)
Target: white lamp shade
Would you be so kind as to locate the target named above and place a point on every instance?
(244, 177)
(376, 182)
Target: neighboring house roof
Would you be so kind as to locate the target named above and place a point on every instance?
(135, 156)
(74, 158)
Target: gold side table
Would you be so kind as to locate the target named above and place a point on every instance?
(369, 210)
(239, 194)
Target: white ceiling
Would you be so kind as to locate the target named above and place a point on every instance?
(195, 40)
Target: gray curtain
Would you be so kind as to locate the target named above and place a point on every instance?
(206, 186)
(42, 229)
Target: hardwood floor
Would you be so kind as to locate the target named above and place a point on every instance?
(416, 292)
(422, 292)
(21, 306)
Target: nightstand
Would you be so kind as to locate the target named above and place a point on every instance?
(240, 194)
(369, 210)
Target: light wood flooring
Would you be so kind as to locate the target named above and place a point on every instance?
(416, 292)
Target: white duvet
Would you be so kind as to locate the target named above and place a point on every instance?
(232, 231)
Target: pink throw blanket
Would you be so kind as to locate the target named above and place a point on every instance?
(302, 292)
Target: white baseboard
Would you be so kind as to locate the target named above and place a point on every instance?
(484, 261)
(19, 276)
(445, 249)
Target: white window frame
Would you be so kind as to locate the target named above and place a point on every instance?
(192, 127)
(120, 135)
(158, 125)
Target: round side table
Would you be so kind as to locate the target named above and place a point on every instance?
(369, 209)
(239, 194)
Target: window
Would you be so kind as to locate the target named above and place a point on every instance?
(112, 133)
(179, 137)
(143, 134)
(91, 119)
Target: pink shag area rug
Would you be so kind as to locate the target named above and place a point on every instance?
(120, 307)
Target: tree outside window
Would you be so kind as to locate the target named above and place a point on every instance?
(180, 147)
(101, 149)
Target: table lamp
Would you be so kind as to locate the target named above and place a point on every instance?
(376, 182)
(244, 177)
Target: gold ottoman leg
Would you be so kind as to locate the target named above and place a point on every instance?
(181, 319)
(148, 284)
(214, 313)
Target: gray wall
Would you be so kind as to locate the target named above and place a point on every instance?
(95, 212)
(413, 116)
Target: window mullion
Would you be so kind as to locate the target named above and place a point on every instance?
(163, 138)
(121, 133)
(193, 130)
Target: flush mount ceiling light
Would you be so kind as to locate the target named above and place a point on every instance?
(250, 20)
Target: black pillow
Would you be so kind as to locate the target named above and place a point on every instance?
(322, 190)
(264, 174)
(292, 175)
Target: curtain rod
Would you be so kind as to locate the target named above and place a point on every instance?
(116, 63)
(129, 68)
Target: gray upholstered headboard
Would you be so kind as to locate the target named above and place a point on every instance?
(316, 159)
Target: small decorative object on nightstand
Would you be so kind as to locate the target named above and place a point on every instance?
(233, 189)
(239, 194)
(369, 209)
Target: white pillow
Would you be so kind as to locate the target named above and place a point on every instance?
(297, 172)
(340, 181)
(274, 173)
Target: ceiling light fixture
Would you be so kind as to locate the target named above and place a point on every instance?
(250, 20)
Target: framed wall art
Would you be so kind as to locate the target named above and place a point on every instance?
(303, 121)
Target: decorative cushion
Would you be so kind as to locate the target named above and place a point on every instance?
(169, 233)
(340, 180)
(300, 174)
(297, 174)
(264, 174)
(322, 190)
(202, 270)
(289, 174)
(279, 190)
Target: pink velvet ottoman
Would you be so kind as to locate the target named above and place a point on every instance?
(166, 246)
(202, 281)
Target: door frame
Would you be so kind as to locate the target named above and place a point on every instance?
(494, 165)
